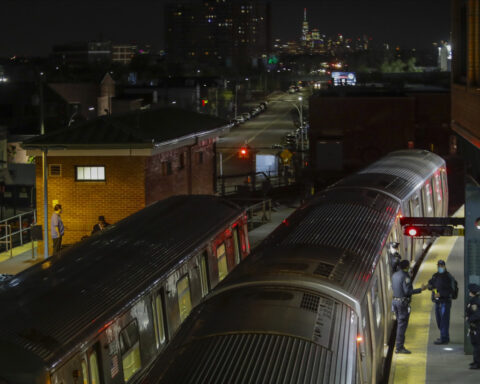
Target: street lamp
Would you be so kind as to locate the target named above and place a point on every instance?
(300, 99)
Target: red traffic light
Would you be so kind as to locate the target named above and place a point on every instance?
(428, 230)
(243, 153)
(412, 231)
(204, 102)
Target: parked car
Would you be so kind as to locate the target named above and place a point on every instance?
(246, 115)
(239, 119)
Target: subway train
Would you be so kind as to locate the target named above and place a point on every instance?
(104, 310)
(312, 303)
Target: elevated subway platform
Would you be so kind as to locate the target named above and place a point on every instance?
(22, 257)
(430, 363)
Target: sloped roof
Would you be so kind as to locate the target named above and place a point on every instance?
(140, 129)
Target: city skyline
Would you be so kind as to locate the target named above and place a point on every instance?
(49, 22)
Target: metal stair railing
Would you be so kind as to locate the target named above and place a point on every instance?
(7, 238)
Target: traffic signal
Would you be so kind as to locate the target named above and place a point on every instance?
(428, 231)
(244, 153)
(204, 102)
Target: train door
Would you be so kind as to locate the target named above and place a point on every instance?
(236, 246)
(387, 295)
(437, 187)
(159, 319)
(416, 245)
(376, 316)
(90, 366)
(222, 262)
(366, 351)
(130, 350)
(445, 190)
(204, 280)
(428, 204)
(184, 298)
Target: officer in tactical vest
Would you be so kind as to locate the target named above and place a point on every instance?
(402, 294)
(472, 315)
(443, 286)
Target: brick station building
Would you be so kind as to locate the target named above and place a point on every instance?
(116, 165)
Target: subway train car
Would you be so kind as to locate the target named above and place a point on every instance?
(312, 304)
(102, 311)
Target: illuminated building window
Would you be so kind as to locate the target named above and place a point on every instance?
(95, 173)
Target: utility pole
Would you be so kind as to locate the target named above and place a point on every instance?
(300, 98)
(45, 173)
(236, 97)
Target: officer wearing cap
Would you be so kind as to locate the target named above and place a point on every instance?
(443, 286)
(402, 293)
(395, 257)
(472, 315)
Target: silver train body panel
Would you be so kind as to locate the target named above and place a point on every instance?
(312, 303)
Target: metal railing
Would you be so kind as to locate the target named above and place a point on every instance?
(19, 229)
(259, 214)
(250, 182)
(7, 239)
(258, 211)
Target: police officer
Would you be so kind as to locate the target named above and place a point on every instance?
(472, 315)
(402, 293)
(442, 284)
(395, 257)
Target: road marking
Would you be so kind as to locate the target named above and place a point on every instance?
(258, 133)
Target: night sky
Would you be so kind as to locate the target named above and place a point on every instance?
(31, 27)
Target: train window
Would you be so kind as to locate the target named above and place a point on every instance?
(184, 301)
(158, 322)
(84, 372)
(204, 273)
(94, 370)
(222, 262)
(236, 246)
(130, 348)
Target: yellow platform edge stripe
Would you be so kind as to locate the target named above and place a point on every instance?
(4, 256)
(413, 368)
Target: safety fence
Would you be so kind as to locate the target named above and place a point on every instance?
(16, 230)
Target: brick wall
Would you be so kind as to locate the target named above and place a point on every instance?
(466, 109)
(195, 177)
(369, 127)
(122, 194)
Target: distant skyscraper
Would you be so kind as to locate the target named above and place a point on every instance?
(305, 28)
(224, 31)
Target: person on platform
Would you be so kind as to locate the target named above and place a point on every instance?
(444, 288)
(472, 315)
(101, 225)
(57, 229)
(402, 294)
(395, 257)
